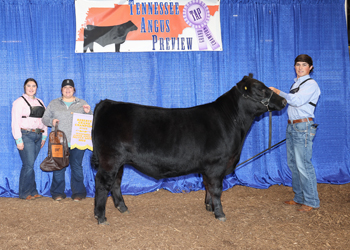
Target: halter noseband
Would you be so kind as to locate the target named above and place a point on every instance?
(264, 101)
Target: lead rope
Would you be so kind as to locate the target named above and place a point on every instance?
(56, 128)
(270, 147)
(270, 128)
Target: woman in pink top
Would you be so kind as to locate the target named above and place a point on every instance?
(30, 135)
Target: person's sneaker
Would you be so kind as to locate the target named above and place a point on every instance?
(58, 198)
(77, 199)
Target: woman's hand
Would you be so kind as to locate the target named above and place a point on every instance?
(20, 146)
(54, 122)
(277, 91)
(86, 108)
(43, 143)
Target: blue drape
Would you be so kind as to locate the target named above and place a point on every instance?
(37, 39)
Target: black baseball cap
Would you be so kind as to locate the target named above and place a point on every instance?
(68, 82)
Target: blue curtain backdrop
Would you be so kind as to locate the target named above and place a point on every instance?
(37, 39)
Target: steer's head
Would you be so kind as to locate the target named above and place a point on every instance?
(261, 97)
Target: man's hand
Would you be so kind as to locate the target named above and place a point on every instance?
(277, 91)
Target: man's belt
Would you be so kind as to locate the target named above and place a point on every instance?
(38, 130)
(300, 120)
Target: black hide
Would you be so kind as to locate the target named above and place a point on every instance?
(162, 142)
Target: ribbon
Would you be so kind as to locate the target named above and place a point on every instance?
(196, 14)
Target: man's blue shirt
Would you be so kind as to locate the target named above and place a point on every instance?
(298, 103)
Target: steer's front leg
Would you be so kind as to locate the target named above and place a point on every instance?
(214, 187)
(208, 201)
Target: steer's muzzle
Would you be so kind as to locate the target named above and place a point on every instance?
(284, 102)
(277, 102)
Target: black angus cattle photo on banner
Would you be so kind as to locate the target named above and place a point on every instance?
(105, 35)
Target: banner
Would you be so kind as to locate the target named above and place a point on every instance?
(81, 132)
(136, 26)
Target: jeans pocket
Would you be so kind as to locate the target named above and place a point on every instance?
(300, 127)
(312, 132)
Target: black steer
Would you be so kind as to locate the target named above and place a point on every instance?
(105, 35)
(162, 143)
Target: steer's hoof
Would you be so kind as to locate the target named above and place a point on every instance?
(101, 221)
(126, 212)
(123, 210)
(105, 223)
(223, 219)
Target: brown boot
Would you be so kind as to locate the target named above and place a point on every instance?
(305, 208)
(29, 197)
(291, 203)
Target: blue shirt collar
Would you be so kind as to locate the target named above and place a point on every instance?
(301, 79)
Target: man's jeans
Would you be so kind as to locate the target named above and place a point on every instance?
(32, 145)
(77, 177)
(299, 139)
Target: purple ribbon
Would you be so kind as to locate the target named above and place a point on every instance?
(196, 14)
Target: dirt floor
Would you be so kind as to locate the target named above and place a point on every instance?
(256, 219)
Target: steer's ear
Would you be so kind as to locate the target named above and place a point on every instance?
(251, 75)
(243, 84)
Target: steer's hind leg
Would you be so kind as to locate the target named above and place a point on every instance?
(214, 187)
(117, 194)
(101, 194)
(208, 202)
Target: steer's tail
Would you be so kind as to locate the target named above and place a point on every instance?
(94, 161)
(94, 158)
